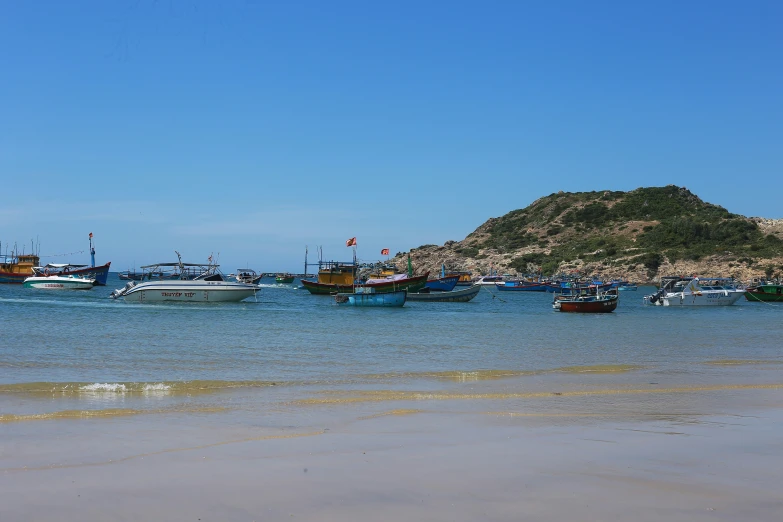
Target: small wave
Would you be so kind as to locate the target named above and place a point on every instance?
(104, 387)
(126, 388)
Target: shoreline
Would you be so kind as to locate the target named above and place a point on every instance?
(421, 465)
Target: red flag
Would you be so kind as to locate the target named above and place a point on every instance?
(351, 242)
(385, 252)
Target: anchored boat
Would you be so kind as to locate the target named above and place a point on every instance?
(587, 302)
(15, 268)
(695, 291)
(284, 279)
(367, 296)
(459, 296)
(59, 282)
(210, 286)
(766, 292)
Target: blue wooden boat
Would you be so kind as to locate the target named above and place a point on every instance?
(366, 296)
(521, 286)
(443, 284)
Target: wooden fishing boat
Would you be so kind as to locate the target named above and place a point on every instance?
(588, 304)
(765, 292)
(465, 278)
(15, 268)
(285, 279)
(442, 284)
(462, 295)
(364, 296)
(521, 286)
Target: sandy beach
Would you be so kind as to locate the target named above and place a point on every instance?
(706, 454)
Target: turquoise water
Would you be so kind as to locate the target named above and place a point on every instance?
(81, 350)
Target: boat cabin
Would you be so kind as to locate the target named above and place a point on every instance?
(336, 273)
(20, 264)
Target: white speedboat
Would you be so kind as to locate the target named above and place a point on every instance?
(695, 291)
(210, 286)
(490, 280)
(59, 282)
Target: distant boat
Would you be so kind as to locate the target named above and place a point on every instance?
(465, 278)
(364, 296)
(285, 279)
(337, 277)
(443, 284)
(248, 275)
(57, 282)
(462, 295)
(765, 292)
(489, 280)
(587, 303)
(521, 286)
(695, 291)
(15, 268)
(628, 287)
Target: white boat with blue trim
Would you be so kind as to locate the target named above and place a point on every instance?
(695, 291)
(209, 286)
(59, 282)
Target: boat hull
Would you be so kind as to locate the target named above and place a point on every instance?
(189, 292)
(412, 284)
(597, 306)
(462, 295)
(720, 298)
(521, 287)
(386, 299)
(444, 284)
(766, 293)
(59, 283)
(99, 273)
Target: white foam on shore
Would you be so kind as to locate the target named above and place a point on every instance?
(104, 387)
(116, 387)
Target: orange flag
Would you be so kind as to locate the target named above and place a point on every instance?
(385, 252)
(351, 242)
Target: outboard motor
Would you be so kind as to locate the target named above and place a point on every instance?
(122, 291)
(654, 298)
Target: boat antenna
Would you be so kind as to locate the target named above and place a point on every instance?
(305, 267)
(181, 267)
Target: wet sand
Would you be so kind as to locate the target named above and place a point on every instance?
(718, 457)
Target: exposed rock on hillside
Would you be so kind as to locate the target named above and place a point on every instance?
(638, 235)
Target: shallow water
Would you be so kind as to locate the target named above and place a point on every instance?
(78, 354)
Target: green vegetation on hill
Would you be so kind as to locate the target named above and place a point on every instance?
(641, 227)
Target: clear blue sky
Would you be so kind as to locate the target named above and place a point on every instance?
(255, 128)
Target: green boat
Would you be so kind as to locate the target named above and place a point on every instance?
(766, 292)
(285, 279)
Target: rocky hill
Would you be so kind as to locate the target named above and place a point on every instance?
(638, 235)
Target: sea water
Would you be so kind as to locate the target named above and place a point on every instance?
(286, 354)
